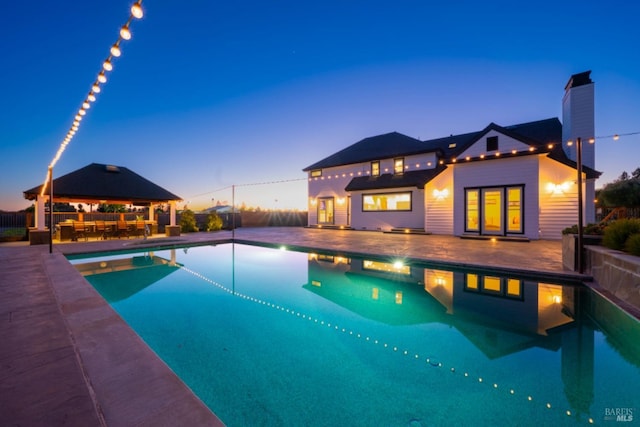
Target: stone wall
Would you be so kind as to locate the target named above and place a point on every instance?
(616, 272)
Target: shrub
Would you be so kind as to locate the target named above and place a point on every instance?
(617, 233)
(587, 229)
(188, 221)
(214, 222)
(632, 245)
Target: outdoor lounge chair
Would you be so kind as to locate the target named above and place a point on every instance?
(79, 230)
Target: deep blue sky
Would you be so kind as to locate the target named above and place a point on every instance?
(208, 94)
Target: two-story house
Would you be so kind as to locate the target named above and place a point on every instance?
(517, 181)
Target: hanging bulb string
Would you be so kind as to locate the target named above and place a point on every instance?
(115, 51)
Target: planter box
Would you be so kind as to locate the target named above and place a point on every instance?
(570, 249)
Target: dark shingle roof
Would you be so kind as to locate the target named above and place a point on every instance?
(416, 178)
(538, 134)
(373, 148)
(105, 182)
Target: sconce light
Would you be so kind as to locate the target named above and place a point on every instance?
(558, 188)
(340, 200)
(440, 194)
(313, 201)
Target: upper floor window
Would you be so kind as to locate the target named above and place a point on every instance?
(375, 168)
(492, 143)
(398, 165)
(316, 173)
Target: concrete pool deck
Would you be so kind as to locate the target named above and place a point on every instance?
(68, 359)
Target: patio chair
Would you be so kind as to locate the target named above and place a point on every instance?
(79, 230)
(122, 229)
(102, 230)
(139, 230)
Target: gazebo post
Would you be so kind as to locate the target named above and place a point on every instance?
(172, 212)
(50, 209)
(40, 222)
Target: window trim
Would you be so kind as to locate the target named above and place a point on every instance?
(410, 193)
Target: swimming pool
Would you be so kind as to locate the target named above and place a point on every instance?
(275, 337)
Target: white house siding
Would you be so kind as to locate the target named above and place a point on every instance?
(558, 205)
(334, 180)
(385, 221)
(331, 184)
(505, 145)
(439, 204)
(507, 171)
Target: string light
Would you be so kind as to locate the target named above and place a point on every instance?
(107, 65)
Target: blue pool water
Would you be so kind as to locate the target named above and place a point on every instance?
(281, 338)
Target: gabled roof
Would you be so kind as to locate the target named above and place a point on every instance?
(114, 184)
(416, 178)
(373, 148)
(394, 144)
(538, 134)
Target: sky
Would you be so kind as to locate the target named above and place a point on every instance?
(209, 96)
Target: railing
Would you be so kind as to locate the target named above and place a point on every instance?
(611, 214)
(15, 225)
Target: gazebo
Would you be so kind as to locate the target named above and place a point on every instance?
(100, 183)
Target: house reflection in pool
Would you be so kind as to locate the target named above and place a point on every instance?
(500, 315)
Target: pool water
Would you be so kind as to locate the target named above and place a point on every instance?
(274, 337)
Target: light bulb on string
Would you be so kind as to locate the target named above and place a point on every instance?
(95, 88)
(115, 50)
(125, 33)
(86, 105)
(136, 10)
(102, 78)
(107, 65)
(91, 97)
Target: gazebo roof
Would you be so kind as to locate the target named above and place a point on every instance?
(106, 184)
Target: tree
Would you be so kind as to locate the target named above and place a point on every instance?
(623, 192)
(188, 221)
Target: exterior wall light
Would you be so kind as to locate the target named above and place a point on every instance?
(441, 194)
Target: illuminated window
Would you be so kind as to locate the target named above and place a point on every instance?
(375, 168)
(398, 166)
(316, 173)
(514, 209)
(386, 267)
(472, 221)
(386, 202)
(514, 288)
(494, 210)
(472, 282)
(492, 284)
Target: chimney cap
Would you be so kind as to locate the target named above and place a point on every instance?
(579, 79)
